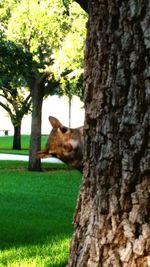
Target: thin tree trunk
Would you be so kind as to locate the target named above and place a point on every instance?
(70, 102)
(17, 137)
(35, 140)
(112, 218)
(37, 93)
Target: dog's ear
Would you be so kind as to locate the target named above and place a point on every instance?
(55, 122)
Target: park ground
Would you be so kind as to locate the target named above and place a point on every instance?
(36, 212)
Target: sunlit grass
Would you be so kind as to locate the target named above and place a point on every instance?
(36, 213)
(13, 151)
(52, 253)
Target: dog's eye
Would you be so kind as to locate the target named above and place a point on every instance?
(64, 129)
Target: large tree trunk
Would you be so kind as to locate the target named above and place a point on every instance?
(112, 219)
(17, 137)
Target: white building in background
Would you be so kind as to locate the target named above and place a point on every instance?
(54, 106)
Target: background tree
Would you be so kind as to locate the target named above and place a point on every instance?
(112, 222)
(16, 105)
(32, 34)
(28, 27)
(14, 98)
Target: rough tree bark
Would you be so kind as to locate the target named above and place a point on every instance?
(112, 218)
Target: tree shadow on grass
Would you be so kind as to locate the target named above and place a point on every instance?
(61, 264)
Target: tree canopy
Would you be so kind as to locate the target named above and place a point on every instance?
(46, 36)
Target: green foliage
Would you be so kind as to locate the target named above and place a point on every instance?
(71, 83)
(44, 30)
(70, 55)
(36, 215)
(6, 8)
(40, 34)
(41, 26)
(82, 3)
(13, 64)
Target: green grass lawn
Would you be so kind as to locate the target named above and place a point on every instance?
(36, 212)
(6, 143)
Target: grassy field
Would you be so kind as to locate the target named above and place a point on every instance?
(36, 211)
(6, 143)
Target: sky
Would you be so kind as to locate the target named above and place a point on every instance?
(54, 106)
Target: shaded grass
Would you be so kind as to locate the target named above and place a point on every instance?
(23, 165)
(36, 214)
(6, 143)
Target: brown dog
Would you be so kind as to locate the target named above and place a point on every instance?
(65, 144)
